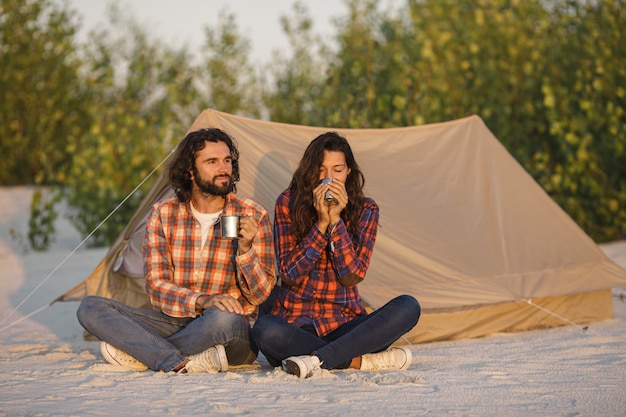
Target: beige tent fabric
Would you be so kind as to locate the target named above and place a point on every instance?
(463, 226)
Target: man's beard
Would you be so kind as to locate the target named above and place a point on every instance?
(210, 187)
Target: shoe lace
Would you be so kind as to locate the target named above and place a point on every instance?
(387, 360)
(316, 367)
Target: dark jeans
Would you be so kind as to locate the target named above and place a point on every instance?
(162, 342)
(375, 332)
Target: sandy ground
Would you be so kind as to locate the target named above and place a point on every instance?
(47, 369)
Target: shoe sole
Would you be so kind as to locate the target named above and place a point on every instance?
(409, 357)
(223, 359)
(293, 366)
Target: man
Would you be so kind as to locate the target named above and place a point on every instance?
(204, 288)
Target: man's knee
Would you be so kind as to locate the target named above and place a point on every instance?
(268, 328)
(87, 308)
(225, 320)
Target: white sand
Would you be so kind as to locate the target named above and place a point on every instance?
(47, 369)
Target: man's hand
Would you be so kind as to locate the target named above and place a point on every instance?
(223, 302)
(248, 229)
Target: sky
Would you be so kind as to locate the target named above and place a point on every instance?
(183, 21)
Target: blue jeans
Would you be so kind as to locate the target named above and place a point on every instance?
(371, 333)
(162, 342)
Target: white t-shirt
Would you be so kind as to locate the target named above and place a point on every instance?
(207, 220)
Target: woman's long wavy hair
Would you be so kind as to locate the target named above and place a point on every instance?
(306, 177)
(184, 159)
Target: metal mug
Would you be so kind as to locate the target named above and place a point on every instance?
(328, 198)
(229, 225)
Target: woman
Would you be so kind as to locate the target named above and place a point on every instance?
(324, 234)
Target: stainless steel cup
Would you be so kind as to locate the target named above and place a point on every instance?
(328, 198)
(229, 226)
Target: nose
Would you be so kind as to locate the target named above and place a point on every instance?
(223, 166)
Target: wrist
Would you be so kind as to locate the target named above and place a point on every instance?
(322, 226)
(201, 301)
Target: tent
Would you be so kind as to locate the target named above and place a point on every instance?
(463, 228)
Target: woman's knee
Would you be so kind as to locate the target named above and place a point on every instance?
(409, 307)
(267, 328)
(411, 303)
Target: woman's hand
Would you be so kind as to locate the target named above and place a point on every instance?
(338, 191)
(323, 217)
(329, 213)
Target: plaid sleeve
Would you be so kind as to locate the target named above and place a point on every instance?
(353, 257)
(295, 261)
(257, 276)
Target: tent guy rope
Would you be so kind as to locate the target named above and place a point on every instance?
(116, 208)
(585, 329)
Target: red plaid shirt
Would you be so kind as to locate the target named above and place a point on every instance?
(314, 265)
(178, 269)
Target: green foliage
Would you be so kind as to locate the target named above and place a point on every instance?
(584, 102)
(548, 79)
(41, 100)
(367, 81)
(292, 98)
(143, 98)
(42, 217)
(233, 86)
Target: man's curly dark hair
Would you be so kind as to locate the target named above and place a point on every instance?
(183, 161)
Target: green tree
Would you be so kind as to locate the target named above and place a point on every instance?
(584, 101)
(41, 99)
(143, 98)
(545, 77)
(227, 75)
(366, 81)
(297, 79)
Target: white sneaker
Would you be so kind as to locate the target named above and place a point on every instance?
(302, 366)
(398, 358)
(211, 360)
(119, 358)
